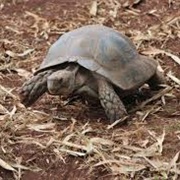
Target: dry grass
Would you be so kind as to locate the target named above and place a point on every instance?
(137, 152)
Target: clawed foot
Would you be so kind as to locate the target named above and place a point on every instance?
(34, 88)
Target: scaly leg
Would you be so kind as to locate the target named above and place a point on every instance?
(34, 88)
(110, 101)
(156, 80)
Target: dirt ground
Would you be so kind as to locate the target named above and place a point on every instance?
(56, 140)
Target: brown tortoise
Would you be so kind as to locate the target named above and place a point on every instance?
(93, 60)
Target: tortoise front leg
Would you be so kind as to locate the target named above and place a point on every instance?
(110, 101)
(34, 88)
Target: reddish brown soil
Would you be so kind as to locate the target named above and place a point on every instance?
(64, 11)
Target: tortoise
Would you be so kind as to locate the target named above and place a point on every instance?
(93, 61)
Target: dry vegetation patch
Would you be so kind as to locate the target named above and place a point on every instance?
(57, 140)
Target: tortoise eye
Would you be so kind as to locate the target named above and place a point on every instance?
(60, 81)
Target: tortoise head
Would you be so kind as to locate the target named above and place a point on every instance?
(62, 82)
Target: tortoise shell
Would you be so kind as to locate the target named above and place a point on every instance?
(102, 50)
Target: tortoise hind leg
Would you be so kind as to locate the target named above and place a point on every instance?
(156, 80)
(34, 88)
(110, 101)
